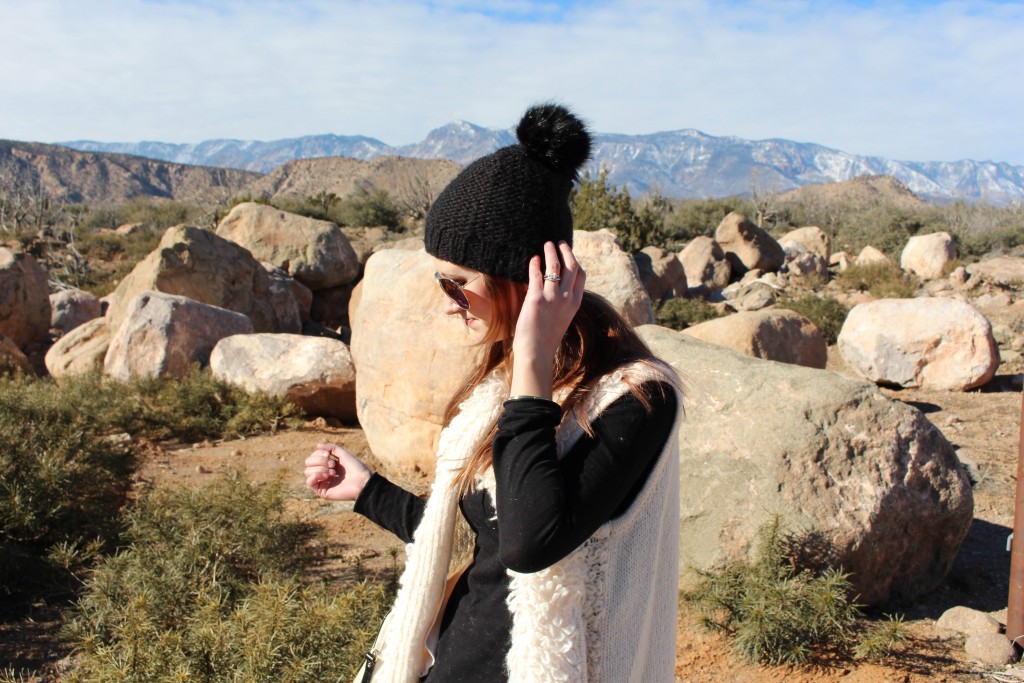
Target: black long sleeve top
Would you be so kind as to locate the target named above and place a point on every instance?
(549, 506)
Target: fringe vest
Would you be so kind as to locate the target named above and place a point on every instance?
(605, 612)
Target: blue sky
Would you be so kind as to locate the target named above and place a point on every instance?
(906, 80)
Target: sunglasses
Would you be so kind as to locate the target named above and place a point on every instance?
(453, 290)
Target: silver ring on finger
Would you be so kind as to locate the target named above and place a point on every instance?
(552, 277)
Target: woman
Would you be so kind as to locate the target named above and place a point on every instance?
(559, 451)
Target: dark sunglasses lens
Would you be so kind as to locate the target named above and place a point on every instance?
(454, 292)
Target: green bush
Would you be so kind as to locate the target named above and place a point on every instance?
(64, 471)
(62, 482)
(882, 280)
(598, 204)
(209, 588)
(679, 314)
(775, 611)
(362, 208)
(826, 312)
(700, 217)
(370, 208)
(196, 407)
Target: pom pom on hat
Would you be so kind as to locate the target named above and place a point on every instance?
(552, 133)
(501, 209)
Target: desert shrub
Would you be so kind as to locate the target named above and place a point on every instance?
(878, 640)
(155, 214)
(881, 280)
(364, 207)
(198, 406)
(209, 588)
(826, 312)
(62, 482)
(64, 469)
(851, 227)
(103, 259)
(597, 203)
(775, 611)
(700, 217)
(679, 314)
(369, 208)
(974, 245)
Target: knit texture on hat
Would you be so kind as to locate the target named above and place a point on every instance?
(501, 209)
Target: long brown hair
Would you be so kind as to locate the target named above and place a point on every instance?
(598, 341)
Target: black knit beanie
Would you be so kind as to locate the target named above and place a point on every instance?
(501, 209)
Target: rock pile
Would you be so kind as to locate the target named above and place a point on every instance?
(832, 456)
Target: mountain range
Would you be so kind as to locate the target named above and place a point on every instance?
(679, 164)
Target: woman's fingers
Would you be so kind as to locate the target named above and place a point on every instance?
(535, 274)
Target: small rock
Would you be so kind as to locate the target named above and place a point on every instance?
(990, 648)
(236, 453)
(967, 620)
(201, 469)
(994, 300)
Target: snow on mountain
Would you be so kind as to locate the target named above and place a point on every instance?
(683, 163)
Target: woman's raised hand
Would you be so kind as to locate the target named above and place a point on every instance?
(335, 474)
(552, 299)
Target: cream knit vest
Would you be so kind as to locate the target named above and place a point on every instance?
(605, 612)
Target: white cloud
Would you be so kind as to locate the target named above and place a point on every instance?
(914, 81)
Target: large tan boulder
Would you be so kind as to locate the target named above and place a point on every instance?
(999, 270)
(927, 342)
(197, 264)
(928, 256)
(314, 373)
(811, 238)
(747, 246)
(752, 296)
(164, 334)
(612, 273)
(409, 357)
(316, 253)
(774, 334)
(869, 255)
(705, 264)
(80, 351)
(661, 273)
(867, 476)
(806, 266)
(24, 298)
(70, 308)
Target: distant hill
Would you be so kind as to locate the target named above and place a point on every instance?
(407, 180)
(680, 164)
(862, 192)
(93, 177)
(98, 177)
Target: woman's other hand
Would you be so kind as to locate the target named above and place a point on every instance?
(335, 474)
(548, 309)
